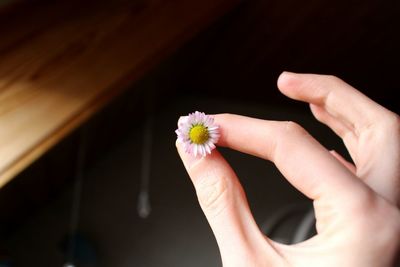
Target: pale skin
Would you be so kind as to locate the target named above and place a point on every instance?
(356, 205)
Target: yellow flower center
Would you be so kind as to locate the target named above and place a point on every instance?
(199, 134)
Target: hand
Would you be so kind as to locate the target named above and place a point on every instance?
(356, 206)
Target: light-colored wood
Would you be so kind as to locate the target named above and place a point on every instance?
(56, 73)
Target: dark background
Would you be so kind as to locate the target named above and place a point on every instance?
(230, 67)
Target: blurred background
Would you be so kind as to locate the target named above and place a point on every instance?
(79, 202)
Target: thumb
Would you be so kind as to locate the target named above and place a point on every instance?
(224, 204)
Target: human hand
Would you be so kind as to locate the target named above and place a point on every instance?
(356, 206)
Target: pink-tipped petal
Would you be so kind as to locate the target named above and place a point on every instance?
(186, 123)
(208, 148)
(182, 121)
(203, 151)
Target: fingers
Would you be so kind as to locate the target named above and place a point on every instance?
(345, 105)
(300, 158)
(224, 203)
(370, 132)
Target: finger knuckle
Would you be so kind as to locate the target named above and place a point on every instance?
(292, 127)
(393, 122)
(334, 78)
(286, 139)
(212, 194)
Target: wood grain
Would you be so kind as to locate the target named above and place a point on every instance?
(65, 60)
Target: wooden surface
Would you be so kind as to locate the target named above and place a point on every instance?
(61, 62)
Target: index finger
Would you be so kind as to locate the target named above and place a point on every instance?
(337, 97)
(304, 162)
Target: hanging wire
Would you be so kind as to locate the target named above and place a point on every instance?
(144, 207)
(76, 198)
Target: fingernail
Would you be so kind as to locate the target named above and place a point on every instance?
(287, 73)
(285, 78)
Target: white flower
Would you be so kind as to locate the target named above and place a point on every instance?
(198, 133)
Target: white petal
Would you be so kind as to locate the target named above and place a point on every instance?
(211, 145)
(182, 121)
(208, 149)
(200, 150)
(187, 148)
(203, 151)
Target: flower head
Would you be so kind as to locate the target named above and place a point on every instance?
(198, 133)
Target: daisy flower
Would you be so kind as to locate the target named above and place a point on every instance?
(198, 133)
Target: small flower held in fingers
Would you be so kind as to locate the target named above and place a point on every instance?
(198, 133)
